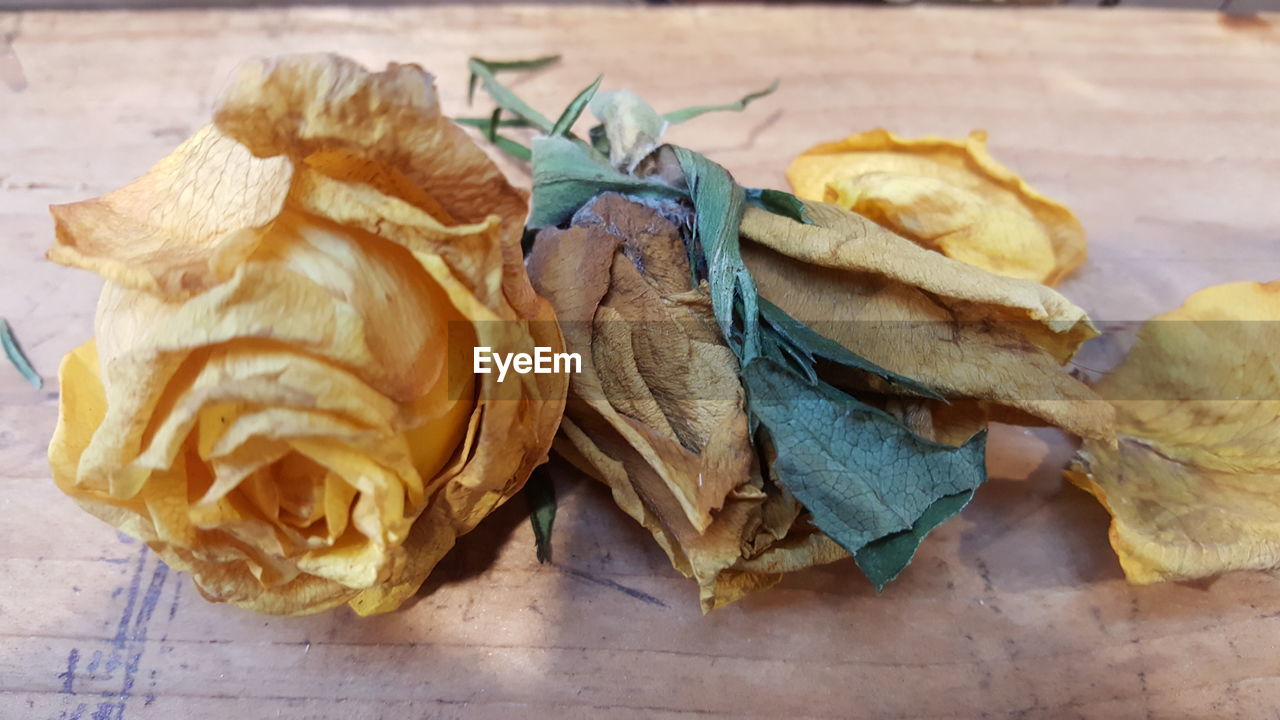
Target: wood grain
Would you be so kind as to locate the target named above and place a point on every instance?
(1162, 130)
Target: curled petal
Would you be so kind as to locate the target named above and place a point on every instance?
(964, 331)
(946, 195)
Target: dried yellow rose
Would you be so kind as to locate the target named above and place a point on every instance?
(1193, 487)
(946, 195)
(269, 402)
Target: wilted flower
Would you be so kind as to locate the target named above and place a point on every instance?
(768, 383)
(659, 412)
(268, 403)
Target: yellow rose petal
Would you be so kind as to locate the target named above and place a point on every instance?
(1193, 486)
(964, 331)
(946, 195)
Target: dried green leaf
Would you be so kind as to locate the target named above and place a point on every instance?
(14, 352)
(489, 126)
(778, 203)
(719, 202)
(574, 111)
(884, 559)
(493, 67)
(568, 173)
(484, 123)
(484, 70)
(540, 491)
(513, 148)
(861, 473)
(492, 131)
(676, 117)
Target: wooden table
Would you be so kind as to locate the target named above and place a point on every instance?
(1161, 129)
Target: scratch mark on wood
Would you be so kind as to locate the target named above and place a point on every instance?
(630, 592)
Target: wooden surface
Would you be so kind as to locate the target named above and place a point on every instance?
(1162, 130)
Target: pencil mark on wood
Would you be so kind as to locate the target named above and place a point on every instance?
(630, 592)
(124, 649)
(177, 597)
(69, 676)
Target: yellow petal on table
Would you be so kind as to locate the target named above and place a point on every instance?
(960, 329)
(946, 195)
(1194, 485)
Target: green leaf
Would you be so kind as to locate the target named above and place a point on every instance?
(720, 203)
(495, 117)
(541, 493)
(14, 352)
(882, 560)
(567, 174)
(813, 343)
(678, 116)
(860, 472)
(512, 148)
(484, 123)
(493, 67)
(489, 126)
(779, 348)
(574, 111)
(599, 140)
(484, 70)
(778, 203)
